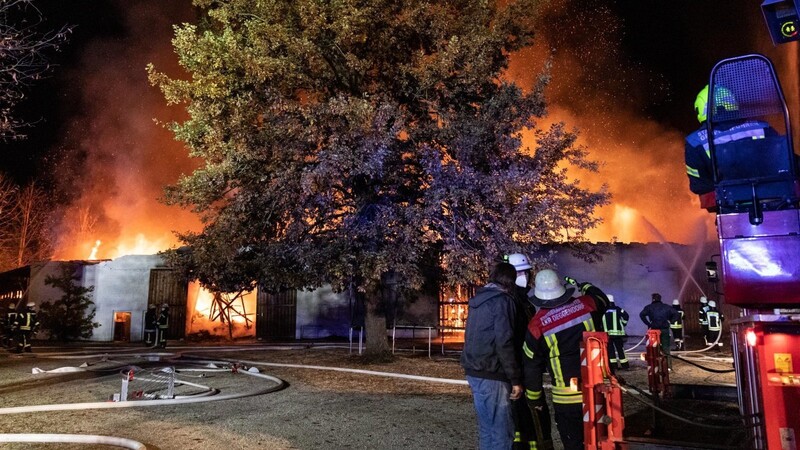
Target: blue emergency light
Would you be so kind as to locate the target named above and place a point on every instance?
(782, 20)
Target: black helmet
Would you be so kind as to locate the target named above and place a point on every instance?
(656, 297)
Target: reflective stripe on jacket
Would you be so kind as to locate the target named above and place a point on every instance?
(714, 320)
(614, 321)
(553, 341)
(678, 324)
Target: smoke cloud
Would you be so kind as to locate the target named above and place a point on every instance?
(117, 159)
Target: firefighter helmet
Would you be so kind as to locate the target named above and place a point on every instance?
(610, 298)
(701, 105)
(31, 305)
(151, 306)
(704, 300)
(676, 302)
(712, 304)
(723, 100)
(519, 261)
(548, 291)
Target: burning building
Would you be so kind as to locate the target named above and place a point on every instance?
(125, 286)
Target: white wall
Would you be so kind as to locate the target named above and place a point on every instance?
(120, 285)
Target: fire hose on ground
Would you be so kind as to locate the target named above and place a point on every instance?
(72, 439)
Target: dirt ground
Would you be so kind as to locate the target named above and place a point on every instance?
(318, 409)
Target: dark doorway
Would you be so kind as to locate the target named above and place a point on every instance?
(276, 315)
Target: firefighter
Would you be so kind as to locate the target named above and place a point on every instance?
(703, 318)
(658, 316)
(677, 326)
(150, 326)
(3, 325)
(25, 325)
(552, 342)
(10, 318)
(163, 325)
(532, 428)
(732, 133)
(715, 319)
(614, 321)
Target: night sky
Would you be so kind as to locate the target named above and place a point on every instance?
(625, 74)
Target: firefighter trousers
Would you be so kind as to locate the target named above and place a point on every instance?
(569, 421)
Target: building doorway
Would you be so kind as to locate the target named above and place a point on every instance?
(122, 326)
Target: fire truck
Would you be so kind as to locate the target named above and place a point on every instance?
(756, 201)
(757, 205)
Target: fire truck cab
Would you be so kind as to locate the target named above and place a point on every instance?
(757, 194)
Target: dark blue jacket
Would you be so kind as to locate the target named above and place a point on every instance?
(698, 155)
(489, 337)
(657, 315)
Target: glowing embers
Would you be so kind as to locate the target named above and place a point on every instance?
(453, 307)
(221, 314)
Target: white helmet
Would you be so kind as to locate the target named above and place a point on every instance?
(519, 261)
(712, 304)
(610, 298)
(548, 291)
(676, 302)
(548, 285)
(703, 300)
(31, 305)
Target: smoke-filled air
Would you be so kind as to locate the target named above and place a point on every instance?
(118, 159)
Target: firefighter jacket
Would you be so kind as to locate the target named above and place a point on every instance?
(658, 316)
(702, 315)
(614, 320)
(163, 319)
(150, 322)
(11, 317)
(678, 324)
(26, 321)
(698, 155)
(553, 342)
(715, 319)
(489, 350)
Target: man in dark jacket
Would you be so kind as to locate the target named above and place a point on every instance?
(489, 358)
(553, 342)
(658, 316)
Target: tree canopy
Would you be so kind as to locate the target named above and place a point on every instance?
(345, 139)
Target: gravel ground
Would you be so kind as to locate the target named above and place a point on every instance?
(318, 409)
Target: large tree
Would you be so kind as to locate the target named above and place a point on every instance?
(348, 140)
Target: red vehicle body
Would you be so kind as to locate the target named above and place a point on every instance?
(758, 222)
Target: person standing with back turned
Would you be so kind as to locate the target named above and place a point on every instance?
(489, 358)
(658, 316)
(614, 321)
(553, 342)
